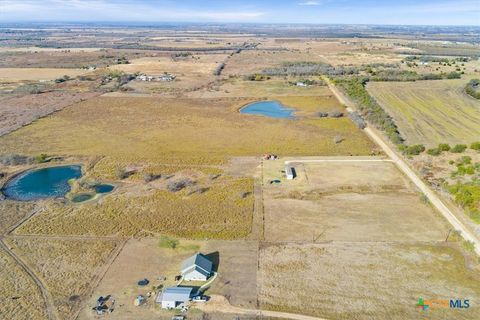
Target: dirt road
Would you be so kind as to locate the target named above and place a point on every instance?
(405, 168)
(221, 304)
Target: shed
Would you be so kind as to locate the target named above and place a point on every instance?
(174, 297)
(197, 268)
(290, 172)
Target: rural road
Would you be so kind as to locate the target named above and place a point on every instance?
(220, 304)
(405, 168)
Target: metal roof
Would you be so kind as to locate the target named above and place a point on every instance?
(178, 294)
(197, 262)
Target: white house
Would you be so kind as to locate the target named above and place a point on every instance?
(174, 297)
(196, 268)
(290, 172)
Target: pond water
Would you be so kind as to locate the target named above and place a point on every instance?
(42, 183)
(104, 188)
(82, 197)
(272, 109)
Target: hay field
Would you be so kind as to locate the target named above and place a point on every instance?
(366, 280)
(37, 74)
(180, 131)
(430, 112)
(67, 267)
(363, 201)
(19, 295)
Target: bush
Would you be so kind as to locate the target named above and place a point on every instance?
(475, 146)
(414, 150)
(148, 177)
(41, 158)
(358, 120)
(14, 160)
(444, 147)
(166, 242)
(335, 114)
(322, 114)
(434, 152)
(178, 185)
(473, 88)
(459, 148)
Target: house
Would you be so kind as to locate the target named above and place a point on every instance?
(174, 297)
(197, 268)
(290, 172)
(301, 84)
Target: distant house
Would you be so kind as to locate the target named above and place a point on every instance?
(301, 84)
(196, 268)
(290, 172)
(174, 297)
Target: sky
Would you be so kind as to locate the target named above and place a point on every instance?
(409, 12)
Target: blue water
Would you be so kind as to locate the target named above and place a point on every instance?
(42, 183)
(273, 109)
(103, 188)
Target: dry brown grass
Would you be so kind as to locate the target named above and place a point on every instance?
(13, 211)
(67, 267)
(19, 295)
(219, 212)
(365, 281)
(180, 131)
(19, 74)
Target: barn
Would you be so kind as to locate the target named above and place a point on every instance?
(196, 268)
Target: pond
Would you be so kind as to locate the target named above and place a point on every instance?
(272, 109)
(103, 188)
(81, 197)
(42, 183)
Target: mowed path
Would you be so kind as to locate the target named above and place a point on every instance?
(405, 168)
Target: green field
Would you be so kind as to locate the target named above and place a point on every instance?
(430, 112)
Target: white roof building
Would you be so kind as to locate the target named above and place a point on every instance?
(174, 297)
(290, 172)
(196, 268)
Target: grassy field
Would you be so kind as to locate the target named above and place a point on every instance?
(19, 295)
(19, 74)
(430, 112)
(134, 210)
(13, 211)
(346, 202)
(67, 267)
(366, 280)
(181, 131)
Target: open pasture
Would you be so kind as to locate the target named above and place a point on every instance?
(366, 280)
(182, 131)
(430, 112)
(361, 201)
(38, 74)
(66, 267)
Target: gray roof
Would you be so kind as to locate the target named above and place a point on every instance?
(197, 262)
(179, 294)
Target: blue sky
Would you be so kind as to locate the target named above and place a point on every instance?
(424, 12)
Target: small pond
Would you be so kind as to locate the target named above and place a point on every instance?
(81, 197)
(51, 182)
(272, 109)
(104, 188)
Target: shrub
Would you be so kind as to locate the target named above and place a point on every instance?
(444, 147)
(166, 242)
(475, 146)
(434, 152)
(464, 160)
(414, 150)
(459, 148)
(148, 177)
(322, 114)
(14, 159)
(178, 185)
(335, 114)
(41, 158)
(469, 245)
(358, 120)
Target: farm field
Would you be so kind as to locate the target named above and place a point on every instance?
(181, 131)
(67, 267)
(429, 112)
(362, 201)
(365, 280)
(23, 74)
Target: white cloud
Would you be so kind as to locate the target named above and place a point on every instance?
(309, 3)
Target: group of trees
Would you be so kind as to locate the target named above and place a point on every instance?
(370, 109)
(406, 75)
(309, 69)
(442, 147)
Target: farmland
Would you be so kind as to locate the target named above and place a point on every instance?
(429, 112)
(154, 113)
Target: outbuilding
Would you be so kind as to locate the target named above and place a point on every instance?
(290, 172)
(196, 268)
(174, 297)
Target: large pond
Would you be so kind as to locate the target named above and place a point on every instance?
(42, 183)
(273, 109)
